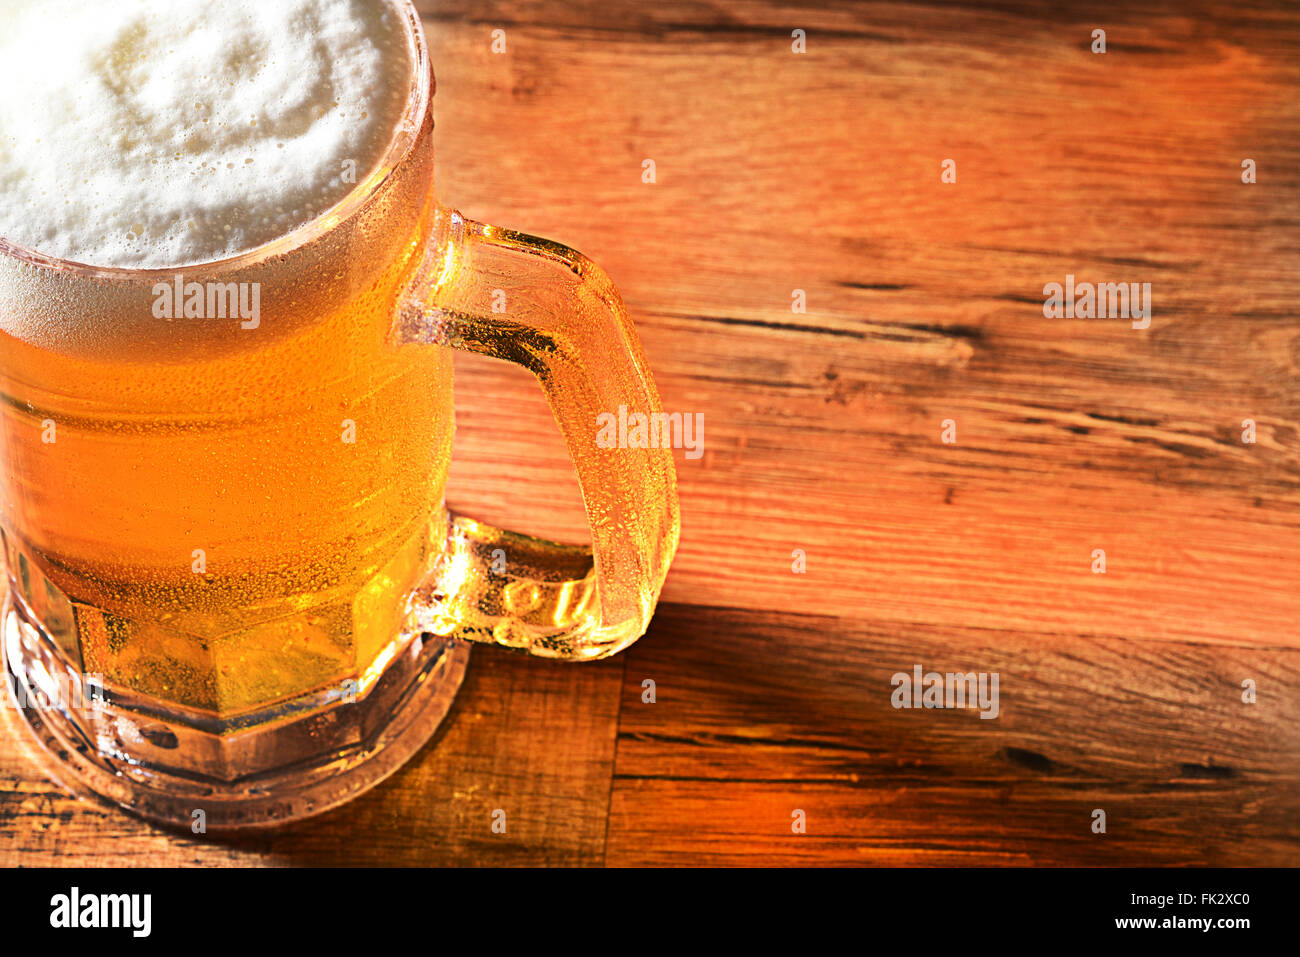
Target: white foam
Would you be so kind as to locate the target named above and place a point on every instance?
(158, 133)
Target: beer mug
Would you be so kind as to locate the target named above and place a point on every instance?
(234, 586)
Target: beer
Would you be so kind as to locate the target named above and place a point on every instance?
(226, 292)
(218, 514)
(221, 528)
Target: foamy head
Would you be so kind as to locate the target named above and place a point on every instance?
(159, 133)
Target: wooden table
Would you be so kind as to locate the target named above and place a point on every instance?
(821, 171)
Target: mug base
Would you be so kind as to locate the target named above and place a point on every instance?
(142, 761)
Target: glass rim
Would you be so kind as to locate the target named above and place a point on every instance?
(406, 133)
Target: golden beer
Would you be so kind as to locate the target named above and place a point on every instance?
(234, 521)
(226, 527)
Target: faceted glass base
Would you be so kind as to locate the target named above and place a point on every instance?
(179, 767)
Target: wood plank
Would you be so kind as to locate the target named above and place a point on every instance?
(823, 429)
(759, 714)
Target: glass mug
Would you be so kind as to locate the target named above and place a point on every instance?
(234, 586)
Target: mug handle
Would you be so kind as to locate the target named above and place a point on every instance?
(558, 315)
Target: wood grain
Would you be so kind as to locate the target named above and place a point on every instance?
(758, 715)
(821, 172)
